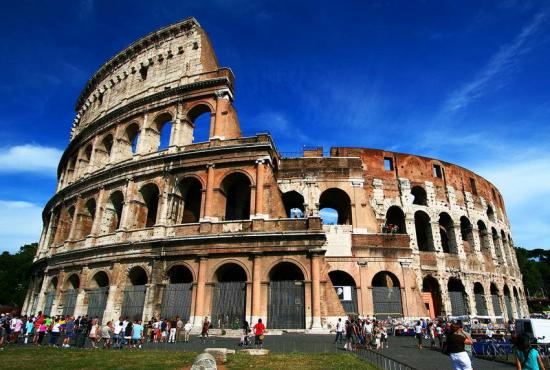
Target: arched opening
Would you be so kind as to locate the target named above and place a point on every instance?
(70, 174)
(97, 295)
(431, 295)
(103, 151)
(229, 296)
(483, 236)
(386, 296)
(495, 300)
(508, 302)
(112, 214)
(131, 138)
(294, 204)
(395, 221)
(162, 133)
(519, 313)
(50, 296)
(345, 287)
(286, 297)
(64, 225)
(467, 234)
(86, 219)
(506, 247)
(457, 296)
(236, 189)
(71, 292)
(496, 244)
(189, 205)
(481, 304)
(201, 118)
(447, 233)
(420, 196)
(148, 213)
(85, 158)
(337, 200)
(134, 294)
(423, 227)
(490, 213)
(176, 300)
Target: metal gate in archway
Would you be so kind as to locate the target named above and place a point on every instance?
(229, 304)
(518, 307)
(387, 302)
(286, 305)
(481, 305)
(69, 301)
(508, 305)
(97, 302)
(134, 301)
(496, 305)
(458, 303)
(176, 301)
(49, 303)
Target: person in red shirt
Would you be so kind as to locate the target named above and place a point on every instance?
(259, 329)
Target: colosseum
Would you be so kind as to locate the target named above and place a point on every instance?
(149, 221)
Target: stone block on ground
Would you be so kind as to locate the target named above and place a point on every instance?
(204, 361)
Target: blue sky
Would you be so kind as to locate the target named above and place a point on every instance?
(463, 81)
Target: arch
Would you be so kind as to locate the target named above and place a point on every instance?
(112, 214)
(201, 117)
(162, 133)
(189, 205)
(466, 234)
(179, 274)
(431, 294)
(86, 219)
(72, 282)
(104, 149)
(294, 204)
(519, 312)
(346, 289)
(98, 295)
(70, 172)
(131, 138)
(508, 302)
(100, 280)
(420, 196)
(286, 271)
(496, 243)
(457, 296)
(148, 213)
(490, 213)
(286, 307)
(177, 295)
(64, 224)
(447, 233)
(423, 227)
(338, 200)
(137, 276)
(229, 295)
(235, 187)
(85, 159)
(386, 295)
(230, 271)
(395, 220)
(479, 296)
(52, 286)
(483, 236)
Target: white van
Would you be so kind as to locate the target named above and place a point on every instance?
(538, 329)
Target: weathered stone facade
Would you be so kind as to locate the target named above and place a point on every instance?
(205, 228)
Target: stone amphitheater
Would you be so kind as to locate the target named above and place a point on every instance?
(149, 221)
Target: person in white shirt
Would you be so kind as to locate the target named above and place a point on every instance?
(339, 331)
(187, 329)
(418, 334)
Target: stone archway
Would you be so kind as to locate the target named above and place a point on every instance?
(71, 292)
(431, 294)
(177, 297)
(286, 308)
(134, 294)
(457, 296)
(386, 296)
(346, 290)
(97, 295)
(229, 296)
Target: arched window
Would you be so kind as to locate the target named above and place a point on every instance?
(395, 221)
(508, 302)
(490, 213)
(423, 227)
(179, 274)
(236, 188)
(420, 196)
(70, 174)
(100, 280)
(519, 312)
(201, 117)
(86, 219)
(483, 236)
(333, 201)
(294, 204)
(112, 215)
(134, 294)
(496, 243)
(447, 233)
(85, 159)
(467, 234)
(137, 276)
(481, 304)
(190, 190)
(148, 215)
(131, 138)
(162, 131)
(177, 295)
(103, 152)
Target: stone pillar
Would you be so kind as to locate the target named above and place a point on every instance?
(125, 219)
(256, 289)
(80, 308)
(112, 312)
(208, 201)
(201, 287)
(42, 293)
(366, 304)
(260, 169)
(220, 120)
(315, 292)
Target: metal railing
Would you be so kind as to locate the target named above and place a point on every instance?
(381, 361)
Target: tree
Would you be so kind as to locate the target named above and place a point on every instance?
(15, 272)
(535, 269)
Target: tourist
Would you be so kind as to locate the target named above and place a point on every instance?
(339, 330)
(55, 333)
(187, 331)
(418, 334)
(82, 331)
(173, 329)
(106, 331)
(69, 332)
(205, 328)
(15, 326)
(431, 334)
(137, 333)
(39, 319)
(527, 357)
(440, 335)
(384, 337)
(349, 334)
(259, 329)
(128, 331)
(117, 333)
(29, 329)
(41, 333)
(94, 333)
(179, 327)
(156, 329)
(456, 342)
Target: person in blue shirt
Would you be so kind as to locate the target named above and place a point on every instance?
(527, 358)
(137, 333)
(29, 326)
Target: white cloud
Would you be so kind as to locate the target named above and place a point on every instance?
(493, 75)
(30, 158)
(20, 223)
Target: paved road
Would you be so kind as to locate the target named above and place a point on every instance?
(402, 349)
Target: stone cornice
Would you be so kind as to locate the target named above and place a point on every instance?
(132, 50)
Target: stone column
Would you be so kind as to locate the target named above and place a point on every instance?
(222, 104)
(315, 292)
(125, 218)
(42, 294)
(111, 312)
(208, 202)
(256, 288)
(260, 169)
(201, 287)
(366, 306)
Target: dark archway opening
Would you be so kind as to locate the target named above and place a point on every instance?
(294, 204)
(447, 233)
(177, 297)
(466, 234)
(457, 296)
(98, 295)
(201, 117)
(191, 193)
(481, 304)
(386, 296)
(150, 194)
(229, 296)
(395, 221)
(236, 188)
(339, 201)
(423, 229)
(286, 297)
(346, 290)
(420, 196)
(432, 295)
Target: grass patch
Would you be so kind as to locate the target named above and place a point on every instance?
(59, 358)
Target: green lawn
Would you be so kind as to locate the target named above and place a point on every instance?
(59, 358)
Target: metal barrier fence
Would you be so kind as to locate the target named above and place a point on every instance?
(381, 361)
